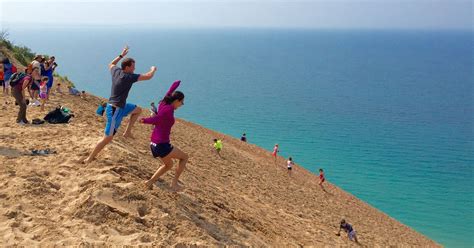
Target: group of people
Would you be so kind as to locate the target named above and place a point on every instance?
(38, 80)
(117, 108)
(41, 87)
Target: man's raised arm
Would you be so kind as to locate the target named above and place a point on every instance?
(148, 75)
(118, 58)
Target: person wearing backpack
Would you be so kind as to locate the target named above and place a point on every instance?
(20, 81)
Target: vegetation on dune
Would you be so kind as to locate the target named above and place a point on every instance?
(21, 53)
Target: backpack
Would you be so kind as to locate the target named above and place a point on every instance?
(16, 78)
(58, 116)
(14, 68)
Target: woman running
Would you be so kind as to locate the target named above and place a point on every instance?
(160, 137)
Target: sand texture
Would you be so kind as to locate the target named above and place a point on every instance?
(241, 199)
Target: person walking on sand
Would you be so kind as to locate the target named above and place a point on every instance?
(218, 146)
(321, 179)
(18, 94)
(117, 108)
(351, 233)
(289, 165)
(160, 138)
(275, 152)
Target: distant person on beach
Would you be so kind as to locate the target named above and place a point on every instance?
(34, 87)
(218, 146)
(36, 63)
(275, 152)
(73, 91)
(49, 67)
(351, 233)
(2, 81)
(153, 109)
(8, 69)
(289, 165)
(243, 138)
(160, 138)
(321, 178)
(43, 92)
(58, 88)
(117, 108)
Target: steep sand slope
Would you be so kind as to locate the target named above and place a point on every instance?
(242, 199)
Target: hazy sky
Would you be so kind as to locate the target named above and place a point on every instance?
(373, 14)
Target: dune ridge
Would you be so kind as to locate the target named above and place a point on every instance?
(242, 199)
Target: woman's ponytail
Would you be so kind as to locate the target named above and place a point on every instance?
(176, 95)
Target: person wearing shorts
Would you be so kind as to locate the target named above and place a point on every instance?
(115, 116)
(351, 233)
(289, 165)
(160, 144)
(117, 108)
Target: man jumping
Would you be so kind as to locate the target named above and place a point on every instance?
(117, 107)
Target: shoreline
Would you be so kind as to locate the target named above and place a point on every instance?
(243, 199)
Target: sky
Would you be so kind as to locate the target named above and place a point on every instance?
(317, 14)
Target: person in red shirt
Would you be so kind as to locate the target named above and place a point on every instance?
(321, 178)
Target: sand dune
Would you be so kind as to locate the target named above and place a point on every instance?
(242, 199)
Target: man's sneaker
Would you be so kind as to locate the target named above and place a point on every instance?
(21, 123)
(37, 103)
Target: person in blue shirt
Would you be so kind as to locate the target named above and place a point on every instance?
(351, 233)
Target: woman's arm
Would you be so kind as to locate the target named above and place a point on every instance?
(173, 87)
(150, 120)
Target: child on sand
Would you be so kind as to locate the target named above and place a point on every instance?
(351, 233)
(43, 92)
(160, 137)
(218, 146)
(275, 152)
(289, 165)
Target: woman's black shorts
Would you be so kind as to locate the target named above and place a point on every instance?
(161, 150)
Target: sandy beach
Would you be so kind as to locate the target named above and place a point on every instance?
(241, 199)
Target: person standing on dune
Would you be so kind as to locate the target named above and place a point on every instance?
(117, 108)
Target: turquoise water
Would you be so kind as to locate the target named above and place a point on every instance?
(388, 114)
